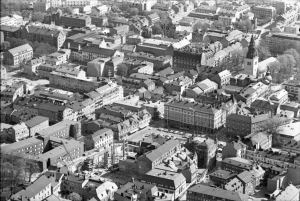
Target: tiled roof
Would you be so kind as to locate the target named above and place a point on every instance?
(17, 50)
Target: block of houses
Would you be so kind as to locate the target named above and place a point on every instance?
(17, 132)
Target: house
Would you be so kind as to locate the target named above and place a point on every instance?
(102, 139)
(222, 78)
(18, 54)
(221, 177)
(37, 124)
(258, 141)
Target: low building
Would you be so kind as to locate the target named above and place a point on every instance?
(290, 193)
(18, 54)
(234, 149)
(11, 93)
(258, 141)
(30, 67)
(212, 193)
(37, 124)
(11, 20)
(99, 140)
(280, 97)
(222, 78)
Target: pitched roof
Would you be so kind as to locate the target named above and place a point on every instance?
(218, 192)
(17, 50)
(36, 121)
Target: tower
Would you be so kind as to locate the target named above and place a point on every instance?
(251, 60)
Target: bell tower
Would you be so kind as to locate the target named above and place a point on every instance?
(251, 60)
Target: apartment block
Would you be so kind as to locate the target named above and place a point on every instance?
(293, 89)
(17, 132)
(75, 20)
(263, 12)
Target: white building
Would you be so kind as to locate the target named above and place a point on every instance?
(11, 20)
(80, 3)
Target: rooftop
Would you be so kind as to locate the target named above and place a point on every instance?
(36, 121)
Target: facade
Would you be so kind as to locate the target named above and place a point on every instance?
(168, 182)
(293, 89)
(75, 20)
(193, 115)
(18, 55)
(37, 124)
(41, 6)
(263, 12)
(80, 3)
(240, 124)
(222, 78)
(208, 193)
(53, 37)
(234, 149)
(30, 67)
(221, 177)
(100, 140)
(236, 165)
(186, 58)
(17, 132)
(100, 10)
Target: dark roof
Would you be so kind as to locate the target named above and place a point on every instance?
(218, 192)
(97, 50)
(36, 121)
(245, 177)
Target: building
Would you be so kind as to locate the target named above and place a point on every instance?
(99, 68)
(234, 149)
(58, 58)
(18, 54)
(222, 78)
(41, 6)
(75, 20)
(99, 140)
(167, 182)
(11, 20)
(37, 124)
(264, 12)
(10, 31)
(178, 86)
(17, 132)
(293, 89)
(100, 10)
(40, 189)
(212, 193)
(221, 177)
(240, 124)
(290, 193)
(79, 3)
(193, 116)
(258, 141)
(280, 6)
(186, 58)
(53, 37)
(236, 164)
(11, 93)
(30, 67)
(279, 97)
(136, 189)
(153, 18)
(206, 151)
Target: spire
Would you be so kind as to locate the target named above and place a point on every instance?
(252, 52)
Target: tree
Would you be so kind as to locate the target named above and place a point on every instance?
(248, 25)
(77, 96)
(74, 197)
(217, 24)
(263, 51)
(38, 16)
(156, 29)
(122, 70)
(272, 127)
(31, 167)
(295, 54)
(206, 40)
(67, 10)
(42, 49)
(200, 25)
(133, 11)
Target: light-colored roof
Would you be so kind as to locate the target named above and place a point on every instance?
(17, 50)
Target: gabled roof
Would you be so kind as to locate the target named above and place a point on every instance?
(17, 50)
